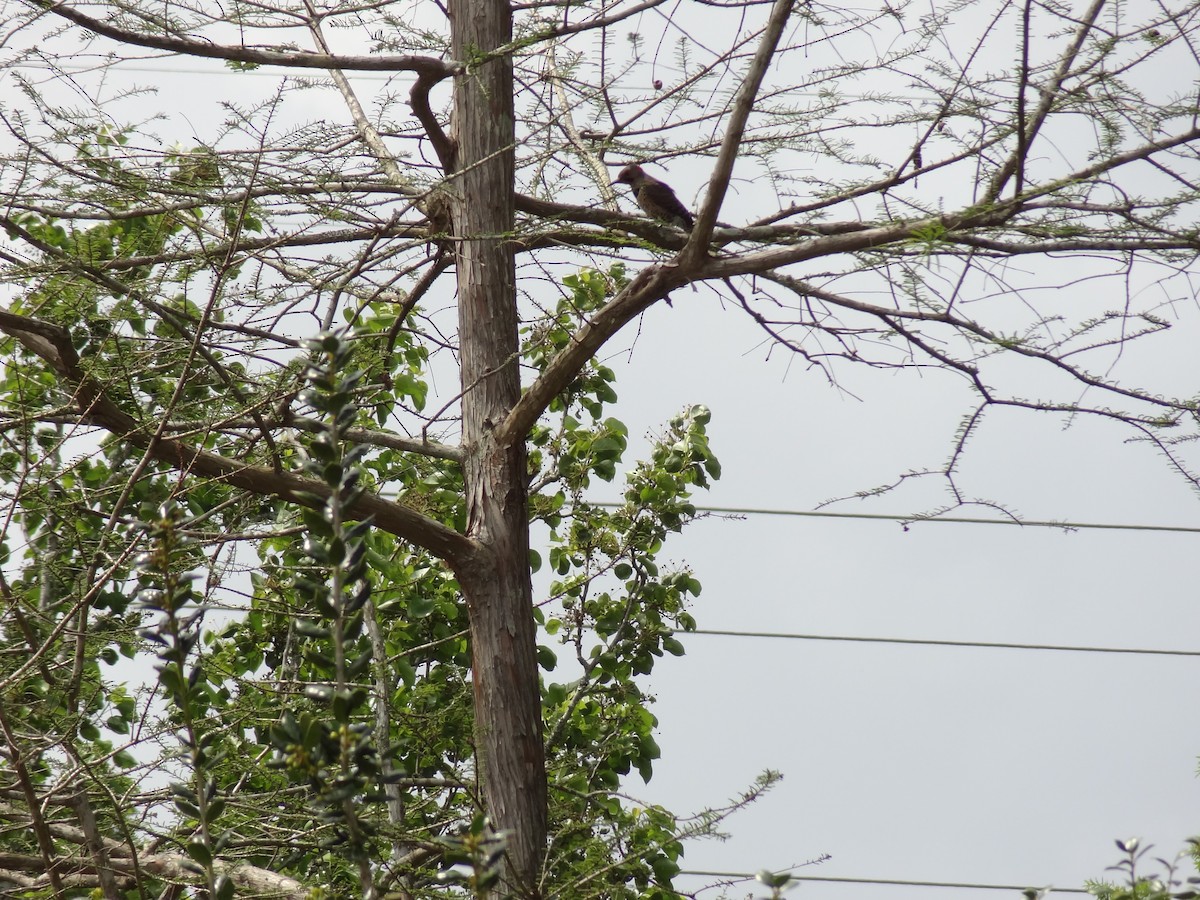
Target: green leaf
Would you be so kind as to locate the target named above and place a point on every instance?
(421, 605)
(199, 852)
(672, 646)
(664, 869)
(188, 809)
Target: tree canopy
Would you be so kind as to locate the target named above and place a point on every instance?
(297, 353)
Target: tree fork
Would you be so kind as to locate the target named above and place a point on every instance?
(496, 581)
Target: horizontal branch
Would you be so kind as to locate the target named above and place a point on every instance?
(166, 866)
(895, 317)
(640, 226)
(301, 59)
(606, 20)
(53, 345)
(656, 282)
(255, 245)
(946, 225)
(373, 438)
(1072, 245)
(851, 242)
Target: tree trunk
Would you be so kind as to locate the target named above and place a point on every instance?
(496, 582)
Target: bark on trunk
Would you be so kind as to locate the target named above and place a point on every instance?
(496, 582)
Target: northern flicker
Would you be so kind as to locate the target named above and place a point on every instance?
(656, 199)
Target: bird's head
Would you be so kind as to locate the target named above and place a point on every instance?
(631, 174)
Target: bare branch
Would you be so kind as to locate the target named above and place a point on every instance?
(426, 65)
(1050, 95)
(735, 129)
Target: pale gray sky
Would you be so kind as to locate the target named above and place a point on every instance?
(929, 763)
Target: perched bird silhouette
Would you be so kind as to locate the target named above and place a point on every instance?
(656, 199)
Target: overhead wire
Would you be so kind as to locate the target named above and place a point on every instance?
(968, 520)
(994, 645)
(897, 882)
(918, 519)
(894, 882)
(930, 642)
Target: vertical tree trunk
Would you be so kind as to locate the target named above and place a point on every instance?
(496, 584)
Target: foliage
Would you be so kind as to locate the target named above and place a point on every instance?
(238, 431)
(340, 683)
(1165, 883)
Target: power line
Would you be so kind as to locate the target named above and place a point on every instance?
(273, 71)
(995, 645)
(742, 876)
(889, 517)
(1033, 523)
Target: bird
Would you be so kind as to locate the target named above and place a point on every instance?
(656, 199)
